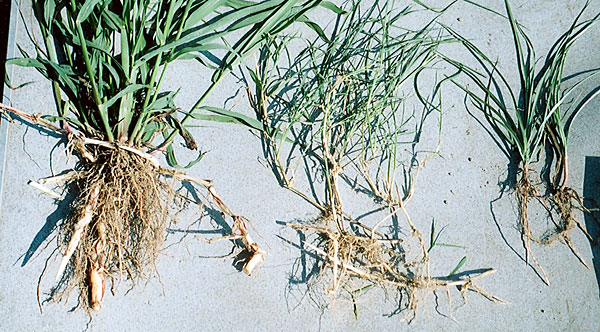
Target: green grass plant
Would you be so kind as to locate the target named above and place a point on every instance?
(107, 61)
(536, 114)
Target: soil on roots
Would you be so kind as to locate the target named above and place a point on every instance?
(562, 201)
(129, 218)
(370, 259)
(565, 201)
(560, 206)
(525, 190)
(355, 261)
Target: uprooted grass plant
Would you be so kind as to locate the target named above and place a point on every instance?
(343, 104)
(107, 61)
(536, 115)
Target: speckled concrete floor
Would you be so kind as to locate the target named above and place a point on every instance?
(460, 189)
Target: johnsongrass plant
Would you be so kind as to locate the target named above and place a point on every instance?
(107, 61)
(523, 121)
(347, 102)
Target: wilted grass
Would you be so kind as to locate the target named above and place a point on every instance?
(539, 112)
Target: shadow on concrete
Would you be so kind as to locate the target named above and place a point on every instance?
(303, 279)
(223, 229)
(63, 207)
(29, 125)
(507, 186)
(214, 214)
(591, 192)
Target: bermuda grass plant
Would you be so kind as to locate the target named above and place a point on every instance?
(347, 104)
(537, 114)
(107, 61)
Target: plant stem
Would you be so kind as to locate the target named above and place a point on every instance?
(565, 170)
(88, 67)
(137, 133)
(172, 135)
(55, 85)
(523, 192)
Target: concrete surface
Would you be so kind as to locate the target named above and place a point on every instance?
(460, 189)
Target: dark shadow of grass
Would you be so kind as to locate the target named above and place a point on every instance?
(304, 276)
(591, 193)
(63, 208)
(223, 229)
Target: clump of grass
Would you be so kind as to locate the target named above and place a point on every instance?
(565, 199)
(538, 114)
(344, 104)
(107, 61)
